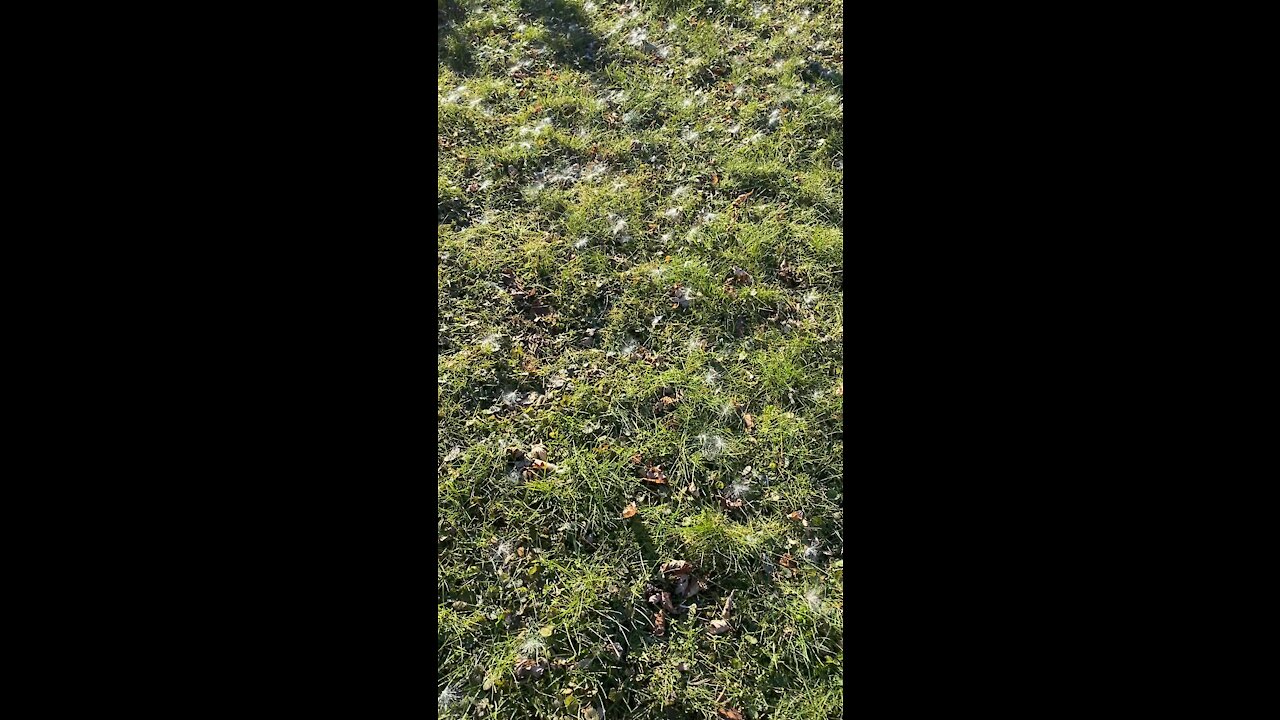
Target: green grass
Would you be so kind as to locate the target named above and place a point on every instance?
(604, 169)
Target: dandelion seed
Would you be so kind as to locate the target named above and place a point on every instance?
(814, 599)
(810, 298)
(525, 145)
(680, 192)
(712, 446)
(630, 118)
(686, 103)
(484, 184)
(740, 487)
(694, 343)
(727, 409)
(707, 217)
(671, 213)
(690, 135)
(657, 273)
(734, 129)
(710, 378)
(532, 645)
(511, 399)
(617, 185)
(637, 36)
(589, 6)
(490, 343)
(619, 226)
(792, 30)
(666, 237)
(656, 319)
(448, 696)
(671, 27)
(740, 91)
(663, 52)
(580, 244)
(502, 551)
(838, 164)
(755, 137)
(775, 117)
(629, 348)
(811, 552)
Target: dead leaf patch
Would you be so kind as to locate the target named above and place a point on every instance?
(629, 511)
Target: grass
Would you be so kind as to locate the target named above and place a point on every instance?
(641, 254)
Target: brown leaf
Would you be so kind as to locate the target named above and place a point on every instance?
(728, 714)
(529, 668)
(787, 561)
(750, 421)
(797, 515)
(677, 567)
(693, 490)
(655, 475)
(659, 624)
(539, 451)
(636, 459)
(720, 627)
(629, 511)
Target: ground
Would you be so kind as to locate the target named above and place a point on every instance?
(640, 508)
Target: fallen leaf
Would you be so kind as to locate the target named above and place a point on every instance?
(454, 454)
(730, 714)
(677, 567)
(629, 511)
(797, 515)
(787, 561)
(719, 627)
(750, 421)
(659, 624)
(539, 451)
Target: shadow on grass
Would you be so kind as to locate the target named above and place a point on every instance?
(570, 39)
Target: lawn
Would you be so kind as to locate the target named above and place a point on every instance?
(640, 363)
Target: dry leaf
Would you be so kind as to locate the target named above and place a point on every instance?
(629, 511)
(787, 561)
(719, 627)
(677, 567)
(454, 454)
(797, 515)
(655, 475)
(750, 421)
(659, 624)
(539, 451)
(728, 714)
(693, 490)
(840, 389)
